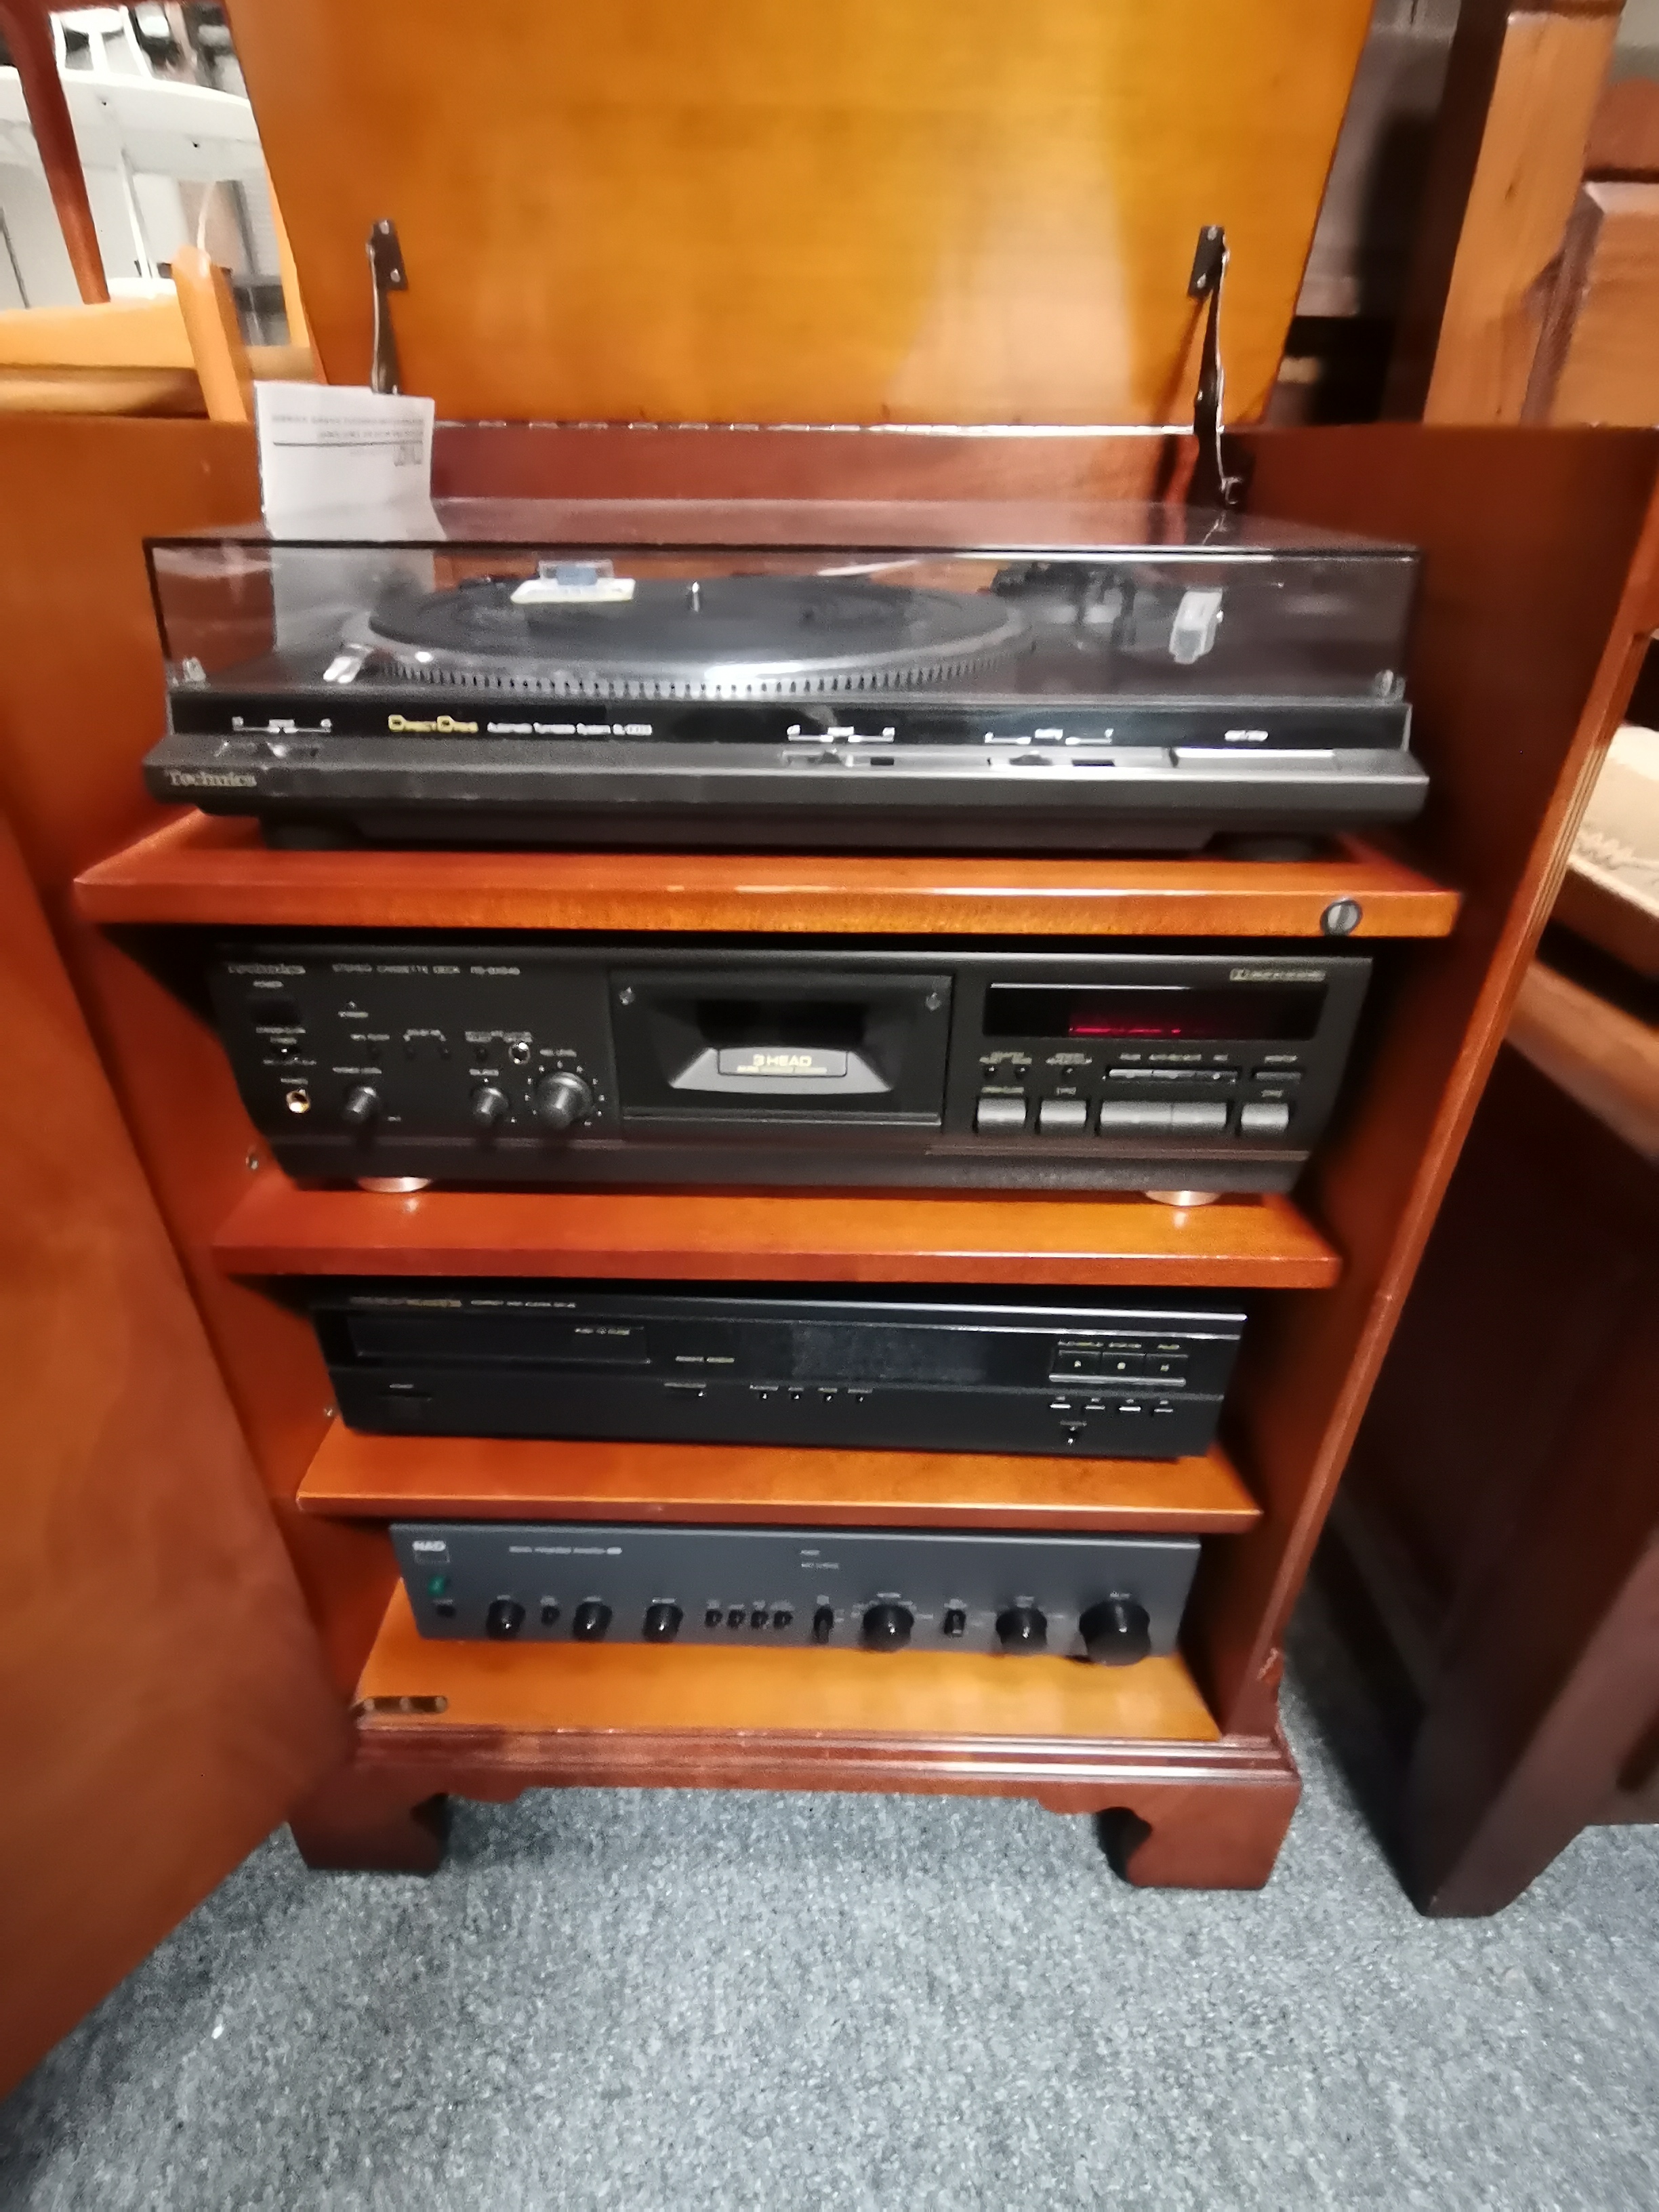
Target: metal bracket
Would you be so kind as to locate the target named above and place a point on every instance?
(1214, 483)
(386, 265)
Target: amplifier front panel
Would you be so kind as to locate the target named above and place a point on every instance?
(775, 1587)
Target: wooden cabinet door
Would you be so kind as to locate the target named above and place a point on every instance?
(164, 1694)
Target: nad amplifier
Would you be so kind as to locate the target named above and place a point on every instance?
(987, 679)
(572, 1062)
(1110, 1599)
(894, 1370)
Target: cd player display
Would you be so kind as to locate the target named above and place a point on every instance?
(1135, 1376)
(1114, 1600)
(1127, 678)
(575, 1061)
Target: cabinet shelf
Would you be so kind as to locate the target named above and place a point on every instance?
(503, 1479)
(283, 1228)
(205, 870)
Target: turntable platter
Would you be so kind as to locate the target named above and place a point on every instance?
(724, 637)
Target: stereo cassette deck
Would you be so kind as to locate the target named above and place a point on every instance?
(580, 1061)
(1136, 1376)
(1114, 1600)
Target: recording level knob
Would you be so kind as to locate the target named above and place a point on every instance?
(887, 1627)
(589, 1621)
(1116, 1632)
(504, 1617)
(1023, 1628)
(662, 1622)
(489, 1106)
(561, 1101)
(362, 1106)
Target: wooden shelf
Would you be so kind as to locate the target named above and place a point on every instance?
(565, 1690)
(204, 869)
(507, 1479)
(280, 1228)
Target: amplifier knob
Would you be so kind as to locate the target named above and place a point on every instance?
(1116, 1632)
(887, 1627)
(589, 1621)
(362, 1107)
(561, 1101)
(662, 1623)
(504, 1617)
(489, 1106)
(1023, 1628)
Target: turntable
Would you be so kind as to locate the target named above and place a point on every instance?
(633, 675)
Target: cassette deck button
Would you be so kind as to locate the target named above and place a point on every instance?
(994, 1113)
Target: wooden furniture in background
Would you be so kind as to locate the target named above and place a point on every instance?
(165, 1697)
(1501, 1511)
(26, 26)
(1534, 288)
(1539, 586)
(849, 213)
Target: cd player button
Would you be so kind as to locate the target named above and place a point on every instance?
(1063, 1116)
(1114, 1117)
(1200, 1115)
(1263, 1118)
(995, 1113)
(489, 1106)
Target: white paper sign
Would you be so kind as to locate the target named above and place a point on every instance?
(363, 458)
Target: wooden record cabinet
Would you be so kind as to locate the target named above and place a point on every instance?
(1541, 582)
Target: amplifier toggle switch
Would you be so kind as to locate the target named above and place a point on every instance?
(993, 1113)
(561, 1101)
(362, 1106)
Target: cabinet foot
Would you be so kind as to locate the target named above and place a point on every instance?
(363, 1823)
(1200, 1839)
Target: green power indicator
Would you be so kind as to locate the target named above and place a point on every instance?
(437, 1585)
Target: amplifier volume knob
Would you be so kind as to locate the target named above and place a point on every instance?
(489, 1106)
(662, 1622)
(1023, 1628)
(1116, 1632)
(887, 1627)
(362, 1107)
(589, 1621)
(561, 1101)
(504, 1617)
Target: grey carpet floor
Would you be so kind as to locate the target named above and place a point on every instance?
(657, 2000)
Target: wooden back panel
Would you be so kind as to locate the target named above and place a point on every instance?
(849, 212)
(165, 1695)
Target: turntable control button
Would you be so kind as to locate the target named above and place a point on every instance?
(1263, 1118)
(362, 1106)
(1063, 1117)
(489, 1106)
(994, 1113)
(561, 1101)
